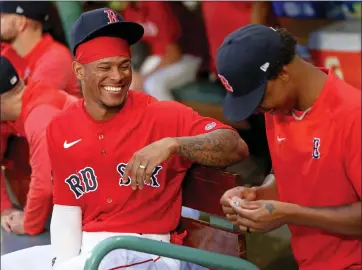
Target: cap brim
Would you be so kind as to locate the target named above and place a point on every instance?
(238, 108)
(130, 31)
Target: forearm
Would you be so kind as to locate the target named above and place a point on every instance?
(65, 233)
(259, 12)
(268, 190)
(345, 219)
(38, 206)
(221, 147)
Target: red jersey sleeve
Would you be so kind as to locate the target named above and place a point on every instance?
(192, 124)
(56, 70)
(353, 152)
(39, 200)
(62, 194)
(5, 202)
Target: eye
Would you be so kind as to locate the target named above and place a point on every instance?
(125, 67)
(104, 68)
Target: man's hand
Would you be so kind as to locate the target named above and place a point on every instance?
(240, 192)
(17, 222)
(259, 216)
(144, 161)
(6, 217)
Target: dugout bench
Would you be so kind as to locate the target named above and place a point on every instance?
(211, 242)
(214, 244)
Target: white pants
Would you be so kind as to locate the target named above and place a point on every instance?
(160, 83)
(40, 257)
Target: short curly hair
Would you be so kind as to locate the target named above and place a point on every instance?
(286, 55)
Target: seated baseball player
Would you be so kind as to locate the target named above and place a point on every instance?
(118, 156)
(30, 107)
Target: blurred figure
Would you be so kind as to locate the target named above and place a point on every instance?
(222, 18)
(30, 106)
(177, 42)
(48, 60)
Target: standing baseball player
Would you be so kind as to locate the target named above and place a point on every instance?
(119, 156)
(313, 123)
(30, 107)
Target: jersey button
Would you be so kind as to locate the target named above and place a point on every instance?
(109, 200)
(103, 152)
(101, 136)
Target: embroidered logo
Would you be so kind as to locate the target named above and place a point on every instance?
(225, 82)
(210, 126)
(112, 17)
(316, 145)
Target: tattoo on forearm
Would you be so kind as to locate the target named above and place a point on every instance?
(217, 148)
(270, 207)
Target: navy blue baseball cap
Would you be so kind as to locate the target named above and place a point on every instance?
(243, 64)
(9, 78)
(36, 10)
(104, 22)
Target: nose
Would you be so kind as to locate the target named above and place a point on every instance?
(116, 75)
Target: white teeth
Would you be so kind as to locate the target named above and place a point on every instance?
(112, 89)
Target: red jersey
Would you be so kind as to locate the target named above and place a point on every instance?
(168, 23)
(88, 159)
(317, 163)
(51, 62)
(237, 14)
(40, 103)
(16, 60)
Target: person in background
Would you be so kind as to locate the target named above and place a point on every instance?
(30, 106)
(222, 18)
(171, 31)
(48, 60)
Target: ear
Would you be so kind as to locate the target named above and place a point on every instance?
(284, 74)
(78, 70)
(21, 23)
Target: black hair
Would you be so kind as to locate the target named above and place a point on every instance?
(286, 55)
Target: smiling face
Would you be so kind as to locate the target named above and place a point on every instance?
(106, 81)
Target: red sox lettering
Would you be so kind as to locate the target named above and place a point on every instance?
(86, 180)
(112, 17)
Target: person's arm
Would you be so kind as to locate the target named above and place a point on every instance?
(259, 12)
(66, 223)
(268, 190)
(65, 233)
(39, 200)
(345, 219)
(56, 70)
(221, 147)
(5, 202)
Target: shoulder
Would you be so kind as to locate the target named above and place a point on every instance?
(64, 118)
(345, 100)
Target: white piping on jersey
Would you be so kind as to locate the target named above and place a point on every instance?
(298, 118)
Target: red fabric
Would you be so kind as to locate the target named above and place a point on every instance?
(40, 103)
(6, 131)
(237, 14)
(161, 26)
(102, 150)
(51, 62)
(18, 62)
(319, 164)
(100, 48)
